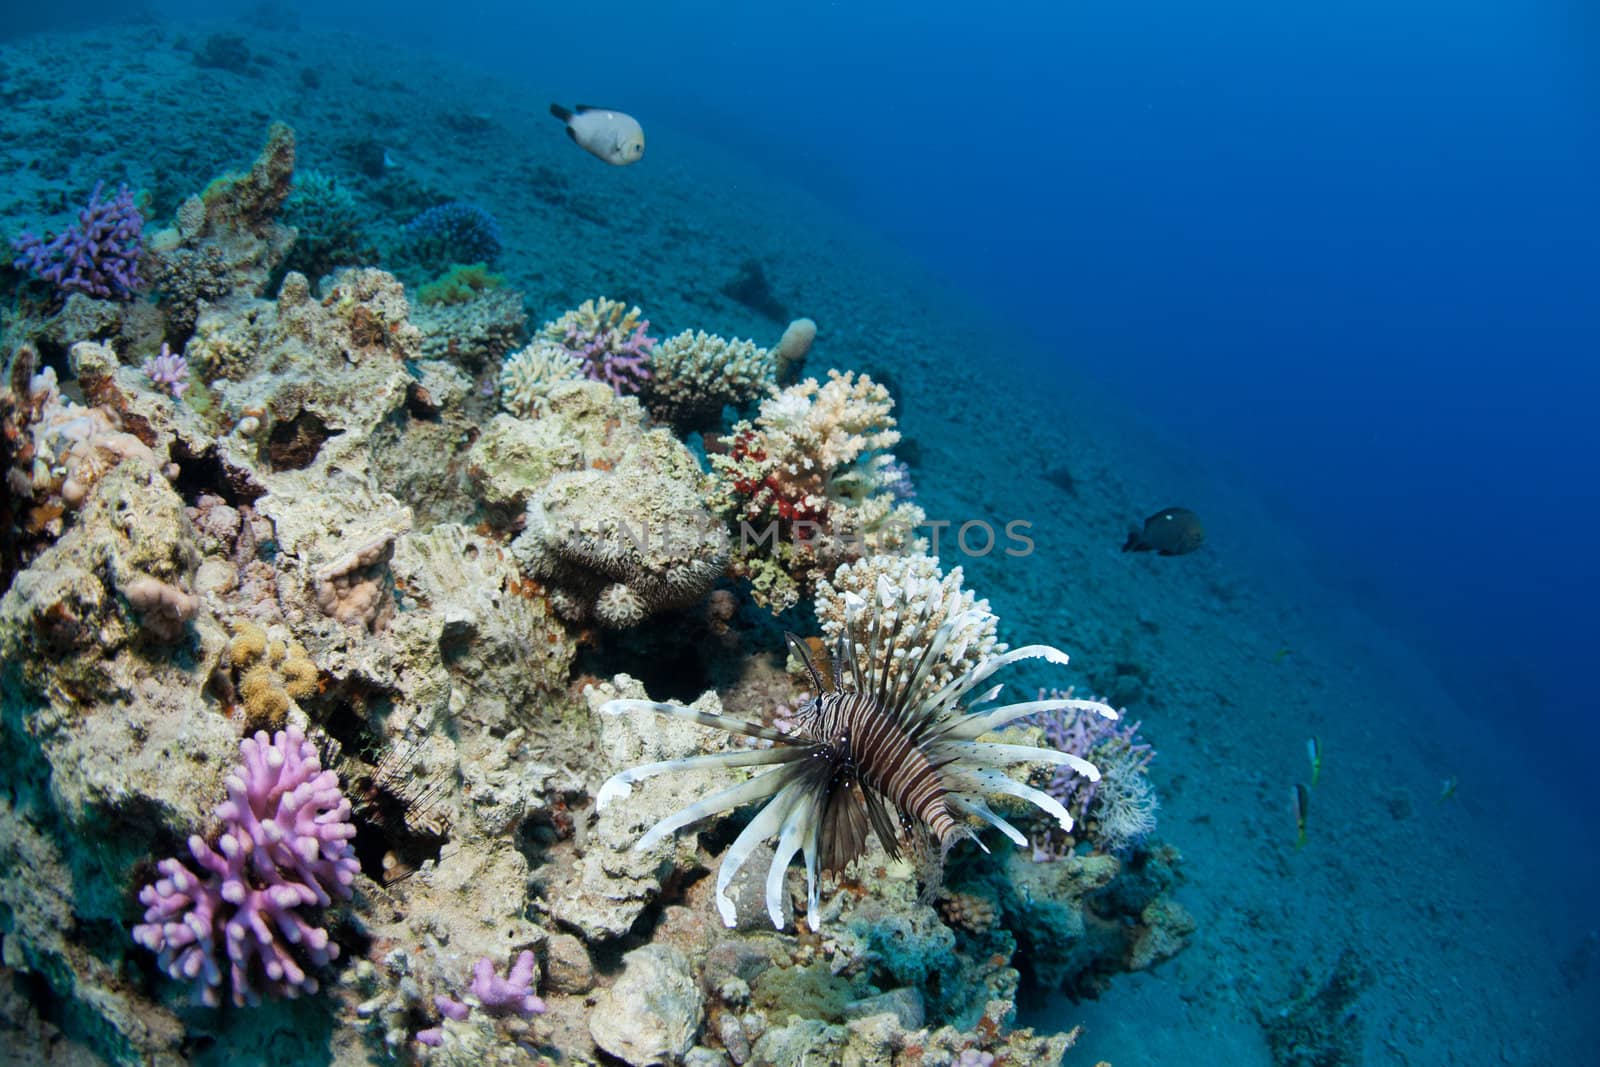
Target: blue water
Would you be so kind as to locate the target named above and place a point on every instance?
(1344, 258)
(1347, 254)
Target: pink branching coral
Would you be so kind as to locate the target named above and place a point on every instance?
(610, 341)
(168, 372)
(511, 995)
(285, 849)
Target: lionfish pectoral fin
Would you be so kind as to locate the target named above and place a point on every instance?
(882, 823)
(844, 827)
(767, 823)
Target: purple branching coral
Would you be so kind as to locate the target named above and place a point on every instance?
(168, 372)
(285, 848)
(99, 256)
(511, 995)
(1112, 745)
(610, 341)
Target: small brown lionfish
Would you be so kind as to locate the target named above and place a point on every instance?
(885, 735)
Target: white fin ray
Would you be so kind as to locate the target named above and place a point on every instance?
(760, 787)
(976, 806)
(968, 727)
(994, 755)
(621, 784)
(956, 688)
(984, 781)
(788, 844)
(704, 718)
(766, 823)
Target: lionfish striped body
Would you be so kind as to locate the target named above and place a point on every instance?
(883, 748)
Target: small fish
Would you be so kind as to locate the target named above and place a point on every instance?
(610, 135)
(1447, 788)
(1302, 807)
(1314, 752)
(1282, 654)
(1169, 532)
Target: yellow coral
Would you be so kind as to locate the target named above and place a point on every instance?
(299, 674)
(265, 703)
(248, 645)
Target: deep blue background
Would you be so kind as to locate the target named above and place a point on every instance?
(1349, 253)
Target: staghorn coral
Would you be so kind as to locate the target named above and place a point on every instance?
(527, 376)
(99, 256)
(285, 848)
(609, 339)
(810, 487)
(695, 375)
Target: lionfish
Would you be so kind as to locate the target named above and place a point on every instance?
(886, 747)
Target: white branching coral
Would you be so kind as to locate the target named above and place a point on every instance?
(919, 588)
(810, 485)
(695, 375)
(527, 376)
(1125, 804)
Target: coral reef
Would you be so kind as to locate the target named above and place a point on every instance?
(301, 536)
(804, 485)
(610, 341)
